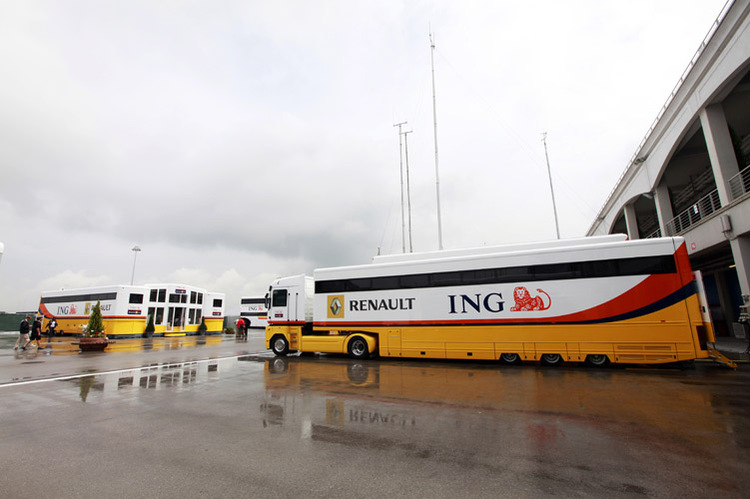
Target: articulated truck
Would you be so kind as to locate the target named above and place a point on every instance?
(597, 300)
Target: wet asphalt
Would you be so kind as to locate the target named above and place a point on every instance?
(221, 417)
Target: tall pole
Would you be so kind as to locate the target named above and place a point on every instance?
(401, 175)
(135, 250)
(408, 188)
(549, 174)
(434, 120)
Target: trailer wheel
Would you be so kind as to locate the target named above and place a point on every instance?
(510, 358)
(551, 359)
(597, 360)
(358, 348)
(279, 345)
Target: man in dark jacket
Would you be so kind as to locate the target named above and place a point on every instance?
(36, 333)
(23, 337)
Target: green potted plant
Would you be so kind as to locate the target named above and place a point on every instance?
(94, 339)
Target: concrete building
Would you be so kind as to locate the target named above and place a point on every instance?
(690, 176)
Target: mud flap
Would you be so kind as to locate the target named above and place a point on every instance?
(719, 357)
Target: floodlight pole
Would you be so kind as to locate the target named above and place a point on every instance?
(549, 174)
(408, 188)
(135, 250)
(434, 120)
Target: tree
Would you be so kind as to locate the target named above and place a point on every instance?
(95, 326)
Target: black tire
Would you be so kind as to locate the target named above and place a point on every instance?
(551, 359)
(510, 358)
(358, 348)
(279, 345)
(597, 360)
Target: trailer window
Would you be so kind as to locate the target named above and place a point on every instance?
(279, 298)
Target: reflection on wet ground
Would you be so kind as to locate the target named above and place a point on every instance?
(332, 427)
(68, 345)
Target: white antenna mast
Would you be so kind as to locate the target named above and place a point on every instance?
(401, 176)
(408, 188)
(549, 173)
(434, 120)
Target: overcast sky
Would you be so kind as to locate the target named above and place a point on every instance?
(238, 141)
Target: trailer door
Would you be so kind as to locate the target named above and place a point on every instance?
(279, 310)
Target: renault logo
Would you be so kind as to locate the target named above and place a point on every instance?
(336, 307)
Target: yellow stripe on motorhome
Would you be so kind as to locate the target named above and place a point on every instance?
(630, 340)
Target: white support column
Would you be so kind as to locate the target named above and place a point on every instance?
(741, 253)
(631, 221)
(663, 207)
(720, 149)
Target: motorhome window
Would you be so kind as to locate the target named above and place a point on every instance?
(511, 274)
(414, 281)
(153, 295)
(442, 279)
(136, 298)
(279, 298)
(162, 295)
(644, 266)
(485, 276)
(250, 301)
(664, 264)
(193, 297)
(82, 297)
(364, 284)
(217, 302)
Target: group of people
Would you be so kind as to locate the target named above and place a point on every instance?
(29, 333)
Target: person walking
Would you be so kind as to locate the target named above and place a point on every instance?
(23, 337)
(51, 325)
(241, 331)
(36, 333)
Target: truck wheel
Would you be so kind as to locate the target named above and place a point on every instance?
(358, 348)
(279, 345)
(597, 360)
(510, 358)
(552, 359)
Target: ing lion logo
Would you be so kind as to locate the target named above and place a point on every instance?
(526, 302)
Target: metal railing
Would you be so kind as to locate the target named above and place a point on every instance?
(656, 233)
(697, 212)
(739, 185)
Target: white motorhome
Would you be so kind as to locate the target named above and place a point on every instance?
(253, 310)
(176, 309)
